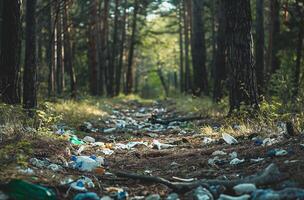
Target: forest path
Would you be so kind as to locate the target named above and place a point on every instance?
(130, 141)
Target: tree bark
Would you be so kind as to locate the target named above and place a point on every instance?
(112, 63)
(297, 69)
(122, 48)
(274, 36)
(103, 40)
(186, 33)
(30, 65)
(59, 52)
(243, 88)
(198, 49)
(9, 53)
(68, 63)
(220, 55)
(181, 49)
(92, 48)
(259, 47)
(129, 76)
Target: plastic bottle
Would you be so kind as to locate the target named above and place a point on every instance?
(87, 163)
(22, 190)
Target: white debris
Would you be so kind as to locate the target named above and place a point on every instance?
(233, 155)
(229, 139)
(227, 197)
(219, 153)
(157, 145)
(89, 139)
(236, 161)
(245, 188)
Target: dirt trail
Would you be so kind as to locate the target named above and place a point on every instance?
(176, 151)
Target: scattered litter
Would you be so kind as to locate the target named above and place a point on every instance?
(87, 196)
(22, 190)
(74, 140)
(219, 153)
(236, 161)
(87, 163)
(246, 188)
(269, 141)
(215, 161)
(287, 193)
(89, 139)
(291, 161)
(184, 179)
(160, 146)
(153, 197)
(233, 155)
(227, 197)
(207, 140)
(201, 193)
(109, 130)
(256, 160)
(229, 139)
(54, 167)
(82, 184)
(39, 163)
(277, 152)
(27, 171)
(173, 196)
(117, 193)
(129, 145)
(3, 196)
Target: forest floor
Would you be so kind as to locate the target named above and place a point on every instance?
(134, 138)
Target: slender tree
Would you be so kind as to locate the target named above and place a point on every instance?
(30, 65)
(68, 63)
(59, 50)
(122, 48)
(187, 44)
(112, 63)
(129, 76)
(259, 47)
(243, 88)
(50, 55)
(9, 53)
(298, 17)
(181, 48)
(198, 49)
(274, 36)
(220, 55)
(92, 48)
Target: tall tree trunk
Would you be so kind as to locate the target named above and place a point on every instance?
(186, 33)
(259, 47)
(103, 55)
(112, 63)
(92, 48)
(198, 49)
(9, 53)
(121, 53)
(68, 63)
(59, 53)
(274, 36)
(220, 55)
(30, 66)
(243, 88)
(10, 58)
(297, 68)
(129, 77)
(181, 49)
(1, 21)
(50, 53)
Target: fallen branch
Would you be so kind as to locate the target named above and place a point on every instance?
(154, 120)
(271, 175)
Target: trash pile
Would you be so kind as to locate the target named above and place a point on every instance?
(89, 168)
